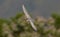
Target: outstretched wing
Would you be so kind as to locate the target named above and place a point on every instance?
(29, 18)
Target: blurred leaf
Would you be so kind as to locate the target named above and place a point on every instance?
(57, 20)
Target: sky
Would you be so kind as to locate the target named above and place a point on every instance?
(44, 8)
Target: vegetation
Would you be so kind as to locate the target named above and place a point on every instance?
(57, 20)
(18, 26)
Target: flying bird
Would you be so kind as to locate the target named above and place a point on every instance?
(29, 18)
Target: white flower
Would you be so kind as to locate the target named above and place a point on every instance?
(40, 19)
(14, 26)
(49, 35)
(35, 34)
(58, 31)
(10, 35)
(5, 28)
(41, 24)
(51, 20)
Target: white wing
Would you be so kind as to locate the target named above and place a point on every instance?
(29, 18)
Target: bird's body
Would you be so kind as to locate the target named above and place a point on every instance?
(29, 18)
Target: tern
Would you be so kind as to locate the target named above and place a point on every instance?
(29, 18)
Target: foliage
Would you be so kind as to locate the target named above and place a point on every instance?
(57, 20)
(20, 27)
